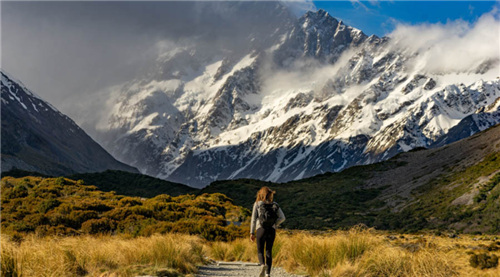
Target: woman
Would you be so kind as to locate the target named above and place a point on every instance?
(266, 217)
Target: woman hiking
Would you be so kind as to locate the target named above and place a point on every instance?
(266, 217)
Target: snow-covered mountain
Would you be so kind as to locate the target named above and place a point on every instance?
(313, 95)
(37, 137)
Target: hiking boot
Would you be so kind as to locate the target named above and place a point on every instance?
(263, 269)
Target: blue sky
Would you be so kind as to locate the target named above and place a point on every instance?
(381, 17)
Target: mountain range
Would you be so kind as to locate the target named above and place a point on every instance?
(37, 137)
(310, 96)
(449, 186)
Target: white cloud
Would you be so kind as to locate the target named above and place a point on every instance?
(299, 7)
(456, 46)
(471, 9)
(357, 3)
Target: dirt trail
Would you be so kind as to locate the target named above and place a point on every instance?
(239, 269)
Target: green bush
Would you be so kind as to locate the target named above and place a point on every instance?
(60, 181)
(129, 201)
(58, 206)
(96, 205)
(99, 226)
(483, 261)
(18, 191)
(48, 205)
(77, 218)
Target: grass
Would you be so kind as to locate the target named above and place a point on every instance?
(93, 256)
(356, 252)
(364, 252)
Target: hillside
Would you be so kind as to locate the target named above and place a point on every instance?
(132, 184)
(121, 182)
(451, 187)
(37, 137)
(61, 206)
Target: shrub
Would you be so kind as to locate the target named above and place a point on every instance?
(494, 246)
(59, 230)
(48, 205)
(60, 181)
(36, 219)
(129, 201)
(77, 218)
(21, 226)
(97, 206)
(99, 226)
(17, 191)
(133, 224)
(217, 197)
(162, 198)
(483, 261)
(65, 207)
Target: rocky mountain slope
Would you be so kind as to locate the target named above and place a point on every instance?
(37, 137)
(455, 187)
(312, 96)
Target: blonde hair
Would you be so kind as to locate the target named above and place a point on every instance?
(265, 194)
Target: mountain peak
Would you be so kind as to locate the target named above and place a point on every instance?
(317, 14)
(318, 35)
(320, 18)
(322, 97)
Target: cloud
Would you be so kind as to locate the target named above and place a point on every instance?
(306, 75)
(357, 3)
(299, 7)
(456, 46)
(374, 2)
(471, 9)
(69, 52)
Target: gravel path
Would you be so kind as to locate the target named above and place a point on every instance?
(247, 270)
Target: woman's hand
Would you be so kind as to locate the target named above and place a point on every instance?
(252, 237)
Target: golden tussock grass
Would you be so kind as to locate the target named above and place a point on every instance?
(357, 252)
(98, 256)
(361, 252)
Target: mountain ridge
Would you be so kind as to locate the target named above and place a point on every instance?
(37, 137)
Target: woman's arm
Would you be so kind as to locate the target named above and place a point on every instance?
(281, 217)
(253, 222)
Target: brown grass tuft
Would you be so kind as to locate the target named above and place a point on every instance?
(93, 256)
(356, 252)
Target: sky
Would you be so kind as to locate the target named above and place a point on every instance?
(382, 17)
(68, 51)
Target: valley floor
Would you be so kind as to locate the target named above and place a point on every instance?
(357, 252)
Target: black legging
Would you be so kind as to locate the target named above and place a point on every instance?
(266, 237)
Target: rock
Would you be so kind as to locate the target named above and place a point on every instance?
(429, 84)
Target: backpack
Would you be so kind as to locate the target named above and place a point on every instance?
(268, 214)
